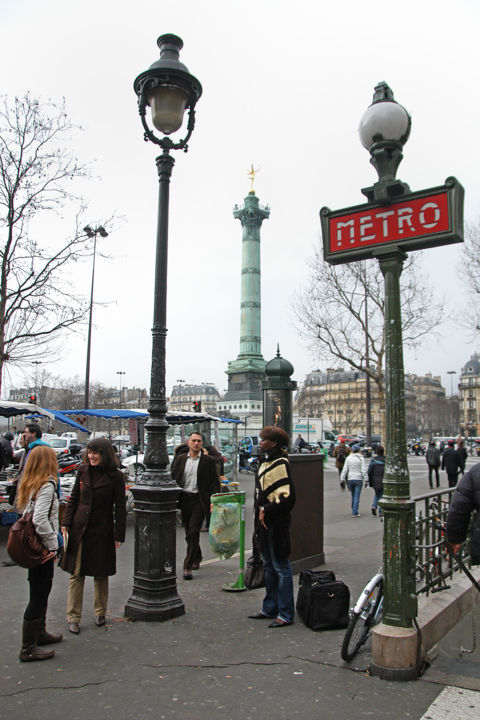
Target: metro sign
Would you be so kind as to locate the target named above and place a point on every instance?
(416, 221)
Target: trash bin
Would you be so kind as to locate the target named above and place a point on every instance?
(226, 531)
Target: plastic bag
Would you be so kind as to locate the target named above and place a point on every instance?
(224, 529)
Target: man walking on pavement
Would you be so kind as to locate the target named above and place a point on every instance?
(451, 462)
(433, 459)
(196, 473)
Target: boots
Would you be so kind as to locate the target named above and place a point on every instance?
(30, 651)
(43, 636)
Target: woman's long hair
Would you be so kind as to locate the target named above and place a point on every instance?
(103, 446)
(41, 464)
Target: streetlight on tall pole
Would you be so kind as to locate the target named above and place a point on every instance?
(168, 89)
(37, 394)
(451, 373)
(91, 233)
(120, 372)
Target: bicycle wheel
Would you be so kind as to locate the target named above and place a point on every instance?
(361, 623)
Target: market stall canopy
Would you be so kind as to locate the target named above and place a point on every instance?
(173, 418)
(10, 409)
(60, 417)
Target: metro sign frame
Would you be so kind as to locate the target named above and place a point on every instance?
(414, 221)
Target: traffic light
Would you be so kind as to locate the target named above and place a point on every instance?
(197, 406)
(32, 399)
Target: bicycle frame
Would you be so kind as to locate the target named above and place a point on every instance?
(366, 592)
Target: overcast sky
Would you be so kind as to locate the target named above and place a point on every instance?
(284, 87)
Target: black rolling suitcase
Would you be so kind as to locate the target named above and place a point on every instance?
(323, 602)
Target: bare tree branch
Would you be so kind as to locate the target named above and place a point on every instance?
(37, 175)
(342, 308)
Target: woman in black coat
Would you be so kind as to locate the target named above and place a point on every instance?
(93, 528)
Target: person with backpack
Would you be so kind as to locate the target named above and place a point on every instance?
(354, 473)
(375, 473)
(433, 458)
(340, 454)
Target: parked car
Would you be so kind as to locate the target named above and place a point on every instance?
(64, 444)
(135, 464)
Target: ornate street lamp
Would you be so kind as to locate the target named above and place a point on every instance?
(384, 128)
(168, 89)
(91, 233)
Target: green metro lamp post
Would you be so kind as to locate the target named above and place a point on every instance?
(392, 222)
(384, 129)
(168, 89)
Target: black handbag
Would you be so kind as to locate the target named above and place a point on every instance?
(323, 602)
(254, 572)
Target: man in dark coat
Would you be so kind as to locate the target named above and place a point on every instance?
(6, 450)
(452, 463)
(196, 473)
(465, 499)
(433, 459)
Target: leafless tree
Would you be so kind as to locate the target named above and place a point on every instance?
(469, 272)
(37, 179)
(342, 309)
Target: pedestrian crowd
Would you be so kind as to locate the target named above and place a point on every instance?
(92, 528)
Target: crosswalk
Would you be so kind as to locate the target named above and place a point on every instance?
(454, 703)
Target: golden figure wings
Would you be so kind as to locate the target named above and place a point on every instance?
(252, 174)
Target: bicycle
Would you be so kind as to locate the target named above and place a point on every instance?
(364, 616)
(368, 610)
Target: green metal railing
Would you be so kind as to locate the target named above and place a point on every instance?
(434, 565)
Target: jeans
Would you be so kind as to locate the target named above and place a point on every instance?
(278, 600)
(377, 497)
(355, 487)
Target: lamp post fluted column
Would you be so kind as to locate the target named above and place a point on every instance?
(400, 603)
(168, 89)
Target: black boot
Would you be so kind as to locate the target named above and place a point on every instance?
(43, 636)
(30, 651)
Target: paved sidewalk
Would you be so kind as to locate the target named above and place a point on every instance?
(213, 662)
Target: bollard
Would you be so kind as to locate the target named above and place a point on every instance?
(238, 498)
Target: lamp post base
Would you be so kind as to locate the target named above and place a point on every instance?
(154, 595)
